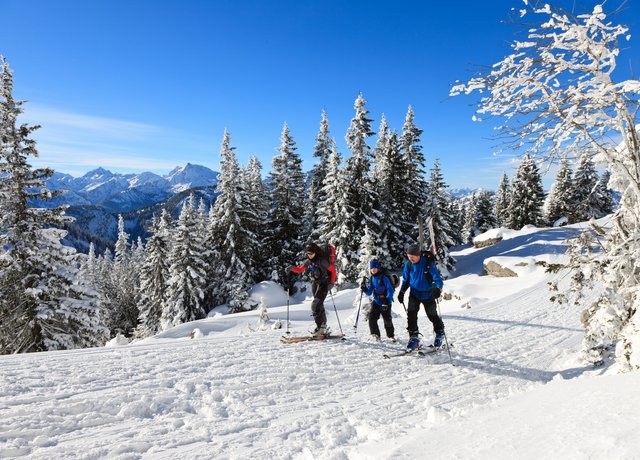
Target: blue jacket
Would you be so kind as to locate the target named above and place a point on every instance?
(420, 278)
(381, 288)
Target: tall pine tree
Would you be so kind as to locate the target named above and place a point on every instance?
(44, 305)
(559, 201)
(287, 192)
(357, 187)
(527, 196)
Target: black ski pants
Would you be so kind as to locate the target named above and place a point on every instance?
(320, 291)
(374, 314)
(432, 313)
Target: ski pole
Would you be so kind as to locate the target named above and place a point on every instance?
(355, 326)
(445, 335)
(336, 310)
(288, 297)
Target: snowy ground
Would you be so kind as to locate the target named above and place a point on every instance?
(518, 388)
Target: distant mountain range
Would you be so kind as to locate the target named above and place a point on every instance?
(126, 192)
(96, 199)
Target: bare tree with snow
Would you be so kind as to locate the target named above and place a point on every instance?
(555, 94)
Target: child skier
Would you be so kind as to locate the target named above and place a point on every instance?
(379, 286)
(421, 274)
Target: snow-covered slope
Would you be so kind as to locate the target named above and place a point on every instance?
(517, 388)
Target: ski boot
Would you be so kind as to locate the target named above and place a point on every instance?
(437, 343)
(320, 331)
(375, 338)
(414, 344)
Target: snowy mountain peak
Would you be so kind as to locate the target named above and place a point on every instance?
(189, 176)
(98, 173)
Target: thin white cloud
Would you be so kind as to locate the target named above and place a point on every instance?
(56, 120)
(74, 143)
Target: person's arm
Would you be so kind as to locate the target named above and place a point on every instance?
(390, 290)
(300, 268)
(435, 273)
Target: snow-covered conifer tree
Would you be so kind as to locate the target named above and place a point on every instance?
(585, 193)
(607, 204)
(414, 194)
(124, 287)
(470, 229)
(233, 273)
(154, 277)
(485, 217)
(334, 228)
(556, 94)
(390, 233)
(321, 151)
(357, 186)
(559, 201)
(527, 196)
(503, 198)
(436, 207)
(187, 273)
(259, 202)
(287, 192)
(44, 304)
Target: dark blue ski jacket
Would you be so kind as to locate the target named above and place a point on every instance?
(422, 278)
(381, 288)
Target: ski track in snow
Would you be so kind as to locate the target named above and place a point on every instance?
(234, 397)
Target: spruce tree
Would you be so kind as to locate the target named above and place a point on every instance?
(503, 198)
(413, 194)
(357, 188)
(585, 194)
(527, 196)
(390, 234)
(485, 216)
(334, 227)
(606, 203)
(287, 192)
(436, 207)
(259, 202)
(187, 273)
(154, 277)
(125, 286)
(233, 272)
(470, 229)
(321, 151)
(44, 304)
(559, 201)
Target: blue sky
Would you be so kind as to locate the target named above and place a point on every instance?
(145, 85)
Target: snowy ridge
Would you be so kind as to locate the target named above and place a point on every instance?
(518, 388)
(127, 192)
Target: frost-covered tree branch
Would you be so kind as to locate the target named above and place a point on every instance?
(555, 95)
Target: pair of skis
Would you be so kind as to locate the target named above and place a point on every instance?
(309, 338)
(420, 352)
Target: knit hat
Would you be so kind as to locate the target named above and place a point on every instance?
(375, 264)
(414, 250)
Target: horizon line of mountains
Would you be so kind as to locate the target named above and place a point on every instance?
(97, 198)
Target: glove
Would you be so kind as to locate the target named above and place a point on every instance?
(435, 293)
(401, 297)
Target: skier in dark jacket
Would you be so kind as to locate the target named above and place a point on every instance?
(317, 267)
(421, 274)
(379, 286)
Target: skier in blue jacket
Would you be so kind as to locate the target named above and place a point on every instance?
(421, 274)
(381, 290)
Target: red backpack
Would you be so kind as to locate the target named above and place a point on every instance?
(330, 253)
